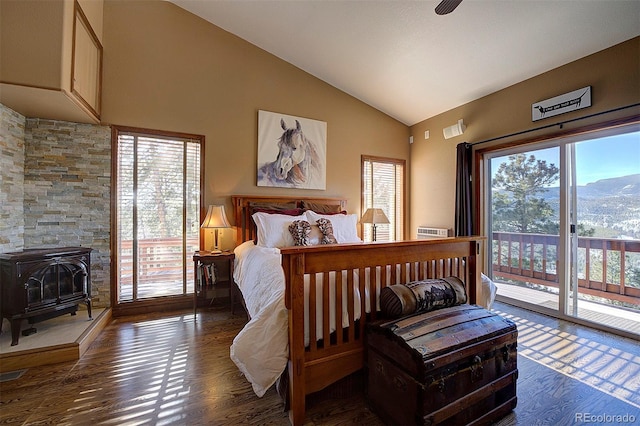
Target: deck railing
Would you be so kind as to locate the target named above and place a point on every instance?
(607, 268)
(162, 269)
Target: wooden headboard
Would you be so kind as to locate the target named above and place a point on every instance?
(242, 206)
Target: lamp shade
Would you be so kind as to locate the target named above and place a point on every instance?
(215, 218)
(374, 216)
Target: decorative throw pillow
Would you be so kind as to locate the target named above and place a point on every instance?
(326, 228)
(300, 230)
(344, 225)
(399, 300)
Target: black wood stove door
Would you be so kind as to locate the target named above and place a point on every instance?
(38, 284)
(56, 281)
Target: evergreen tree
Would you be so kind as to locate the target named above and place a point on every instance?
(517, 205)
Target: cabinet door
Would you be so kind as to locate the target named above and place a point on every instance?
(87, 64)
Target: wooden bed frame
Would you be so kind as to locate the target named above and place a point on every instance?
(323, 362)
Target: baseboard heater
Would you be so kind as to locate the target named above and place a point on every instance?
(425, 232)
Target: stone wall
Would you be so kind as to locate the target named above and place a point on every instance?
(11, 180)
(67, 178)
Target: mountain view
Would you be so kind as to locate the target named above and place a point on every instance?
(610, 206)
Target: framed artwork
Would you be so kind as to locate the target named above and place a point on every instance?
(292, 151)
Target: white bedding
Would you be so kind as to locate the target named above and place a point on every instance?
(261, 349)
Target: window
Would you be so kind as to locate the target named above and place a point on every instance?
(157, 213)
(383, 187)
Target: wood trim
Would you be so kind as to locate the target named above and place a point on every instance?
(564, 133)
(145, 306)
(141, 131)
(87, 338)
(37, 357)
(113, 268)
(203, 206)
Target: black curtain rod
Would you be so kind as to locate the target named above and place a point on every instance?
(561, 123)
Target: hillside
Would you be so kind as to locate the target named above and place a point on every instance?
(610, 206)
(620, 186)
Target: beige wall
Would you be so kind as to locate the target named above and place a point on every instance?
(166, 69)
(44, 67)
(613, 74)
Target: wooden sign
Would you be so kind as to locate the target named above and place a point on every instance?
(568, 102)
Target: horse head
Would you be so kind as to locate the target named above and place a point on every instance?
(292, 147)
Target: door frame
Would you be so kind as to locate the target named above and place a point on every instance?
(164, 303)
(562, 138)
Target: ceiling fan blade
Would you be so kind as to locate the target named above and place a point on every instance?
(447, 6)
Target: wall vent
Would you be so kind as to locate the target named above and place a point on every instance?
(428, 232)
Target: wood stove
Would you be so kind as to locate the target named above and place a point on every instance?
(39, 284)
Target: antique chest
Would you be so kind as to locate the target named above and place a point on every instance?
(456, 366)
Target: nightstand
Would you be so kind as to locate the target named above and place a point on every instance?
(206, 266)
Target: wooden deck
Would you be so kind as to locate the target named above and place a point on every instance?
(623, 319)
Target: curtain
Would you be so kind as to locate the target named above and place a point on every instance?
(464, 219)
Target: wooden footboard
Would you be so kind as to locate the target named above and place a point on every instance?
(322, 362)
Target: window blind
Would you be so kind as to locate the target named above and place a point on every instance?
(383, 187)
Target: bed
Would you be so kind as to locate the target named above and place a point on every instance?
(326, 294)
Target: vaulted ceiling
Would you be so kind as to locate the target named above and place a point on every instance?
(410, 63)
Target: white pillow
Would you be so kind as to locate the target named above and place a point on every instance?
(273, 229)
(344, 225)
(489, 290)
(315, 237)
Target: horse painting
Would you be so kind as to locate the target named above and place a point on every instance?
(297, 164)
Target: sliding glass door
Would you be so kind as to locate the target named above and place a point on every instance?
(564, 221)
(605, 206)
(525, 219)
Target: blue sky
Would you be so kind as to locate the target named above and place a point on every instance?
(608, 157)
(601, 158)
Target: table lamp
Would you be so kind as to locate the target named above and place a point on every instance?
(374, 216)
(215, 219)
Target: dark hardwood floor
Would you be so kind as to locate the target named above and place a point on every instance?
(169, 369)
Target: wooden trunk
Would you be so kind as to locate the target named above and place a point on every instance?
(451, 366)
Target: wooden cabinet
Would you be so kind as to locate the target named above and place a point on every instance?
(51, 58)
(87, 64)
